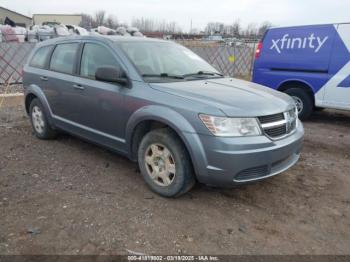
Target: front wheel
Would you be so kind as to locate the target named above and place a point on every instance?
(165, 163)
(303, 101)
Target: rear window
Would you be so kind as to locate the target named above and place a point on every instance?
(40, 58)
(63, 58)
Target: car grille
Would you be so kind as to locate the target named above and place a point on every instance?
(271, 118)
(259, 172)
(277, 131)
(279, 125)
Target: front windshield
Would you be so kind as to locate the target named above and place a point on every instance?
(166, 60)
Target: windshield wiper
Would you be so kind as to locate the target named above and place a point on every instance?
(204, 73)
(164, 75)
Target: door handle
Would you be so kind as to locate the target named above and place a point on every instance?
(44, 78)
(77, 86)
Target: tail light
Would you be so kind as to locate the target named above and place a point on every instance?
(258, 49)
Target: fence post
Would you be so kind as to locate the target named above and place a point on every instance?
(252, 62)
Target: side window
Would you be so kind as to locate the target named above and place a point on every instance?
(40, 57)
(95, 56)
(64, 57)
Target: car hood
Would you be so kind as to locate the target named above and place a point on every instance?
(232, 96)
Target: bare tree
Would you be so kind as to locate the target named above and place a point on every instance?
(236, 28)
(151, 25)
(143, 24)
(214, 28)
(263, 28)
(251, 30)
(87, 21)
(100, 17)
(112, 22)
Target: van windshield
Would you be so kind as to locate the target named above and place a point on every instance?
(159, 61)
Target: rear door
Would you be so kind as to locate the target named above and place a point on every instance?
(337, 89)
(60, 92)
(36, 73)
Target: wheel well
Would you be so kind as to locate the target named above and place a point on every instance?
(28, 101)
(297, 84)
(145, 127)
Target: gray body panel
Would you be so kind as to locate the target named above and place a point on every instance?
(236, 98)
(107, 114)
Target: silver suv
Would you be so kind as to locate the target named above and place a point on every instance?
(163, 106)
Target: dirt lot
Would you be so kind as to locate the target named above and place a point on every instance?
(70, 197)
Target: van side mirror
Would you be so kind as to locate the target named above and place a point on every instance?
(111, 74)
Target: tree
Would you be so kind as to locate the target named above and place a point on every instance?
(100, 17)
(236, 28)
(150, 25)
(263, 28)
(214, 28)
(87, 21)
(251, 30)
(112, 22)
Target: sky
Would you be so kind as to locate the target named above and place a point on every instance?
(278, 12)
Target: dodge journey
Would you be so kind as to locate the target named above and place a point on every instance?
(163, 106)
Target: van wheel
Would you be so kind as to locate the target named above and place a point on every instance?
(303, 102)
(165, 163)
(40, 124)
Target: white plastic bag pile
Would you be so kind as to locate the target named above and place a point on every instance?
(40, 33)
(123, 31)
(12, 34)
(77, 30)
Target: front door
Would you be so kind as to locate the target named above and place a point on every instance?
(101, 110)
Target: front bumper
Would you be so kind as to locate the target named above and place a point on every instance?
(232, 161)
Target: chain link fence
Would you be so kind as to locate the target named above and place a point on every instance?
(12, 59)
(235, 61)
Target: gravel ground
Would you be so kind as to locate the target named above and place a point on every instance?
(15, 88)
(70, 197)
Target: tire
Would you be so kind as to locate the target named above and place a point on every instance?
(38, 119)
(161, 150)
(302, 96)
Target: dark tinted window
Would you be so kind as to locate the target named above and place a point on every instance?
(63, 58)
(40, 57)
(95, 56)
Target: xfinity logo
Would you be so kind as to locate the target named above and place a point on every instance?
(286, 42)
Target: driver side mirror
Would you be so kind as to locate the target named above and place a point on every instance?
(111, 74)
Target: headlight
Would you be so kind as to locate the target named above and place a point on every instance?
(224, 126)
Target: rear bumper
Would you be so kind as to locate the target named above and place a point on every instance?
(235, 161)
